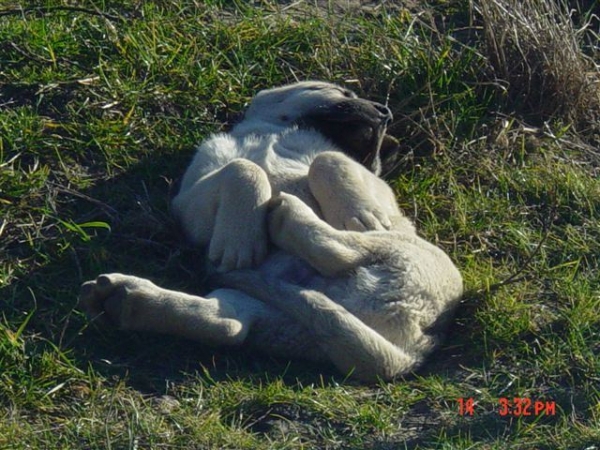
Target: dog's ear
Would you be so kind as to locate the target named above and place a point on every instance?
(356, 126)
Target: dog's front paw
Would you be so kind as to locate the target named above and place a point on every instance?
(118, 300)
(243, 247)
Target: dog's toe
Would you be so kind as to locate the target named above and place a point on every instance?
(368, 220)
(91, 302)
(101, 299)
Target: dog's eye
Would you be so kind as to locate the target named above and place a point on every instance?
(348, 94)
(284, 118)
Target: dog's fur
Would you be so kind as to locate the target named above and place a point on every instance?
(348, 282)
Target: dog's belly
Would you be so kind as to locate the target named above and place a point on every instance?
(291, 269)
(361, 292)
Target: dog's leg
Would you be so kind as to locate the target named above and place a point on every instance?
(349, 196)
(294, 227)
(132, 303)
(352, 346)
(226, 210)
(226, 317)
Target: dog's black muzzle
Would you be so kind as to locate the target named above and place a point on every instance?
(357, 126)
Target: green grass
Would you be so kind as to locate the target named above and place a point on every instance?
(100, 109)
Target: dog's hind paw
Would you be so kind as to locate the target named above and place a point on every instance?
(292, 224)
(118, 300)
(368, 219)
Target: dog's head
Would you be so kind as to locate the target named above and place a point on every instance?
(357, 126)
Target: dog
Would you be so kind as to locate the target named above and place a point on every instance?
(312, 255)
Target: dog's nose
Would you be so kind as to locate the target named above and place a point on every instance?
(386, 114)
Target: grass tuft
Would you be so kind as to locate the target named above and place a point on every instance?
(536, 52)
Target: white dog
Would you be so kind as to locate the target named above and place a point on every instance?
(348, 281)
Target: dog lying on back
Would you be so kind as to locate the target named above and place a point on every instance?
(314, 257)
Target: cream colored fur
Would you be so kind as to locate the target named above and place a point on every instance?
(317, 259)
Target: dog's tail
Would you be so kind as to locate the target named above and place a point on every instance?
(352, 346)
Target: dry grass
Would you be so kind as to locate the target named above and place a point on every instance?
(535, 52)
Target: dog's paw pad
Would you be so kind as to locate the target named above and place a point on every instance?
(104, 299)
(368, 220)
(93, 296)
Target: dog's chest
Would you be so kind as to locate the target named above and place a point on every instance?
(286, 159)
(281, 155)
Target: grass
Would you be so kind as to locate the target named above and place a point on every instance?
(100, 109)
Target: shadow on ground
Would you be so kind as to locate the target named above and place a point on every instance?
(143, 240)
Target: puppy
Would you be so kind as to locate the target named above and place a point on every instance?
(347, 280)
